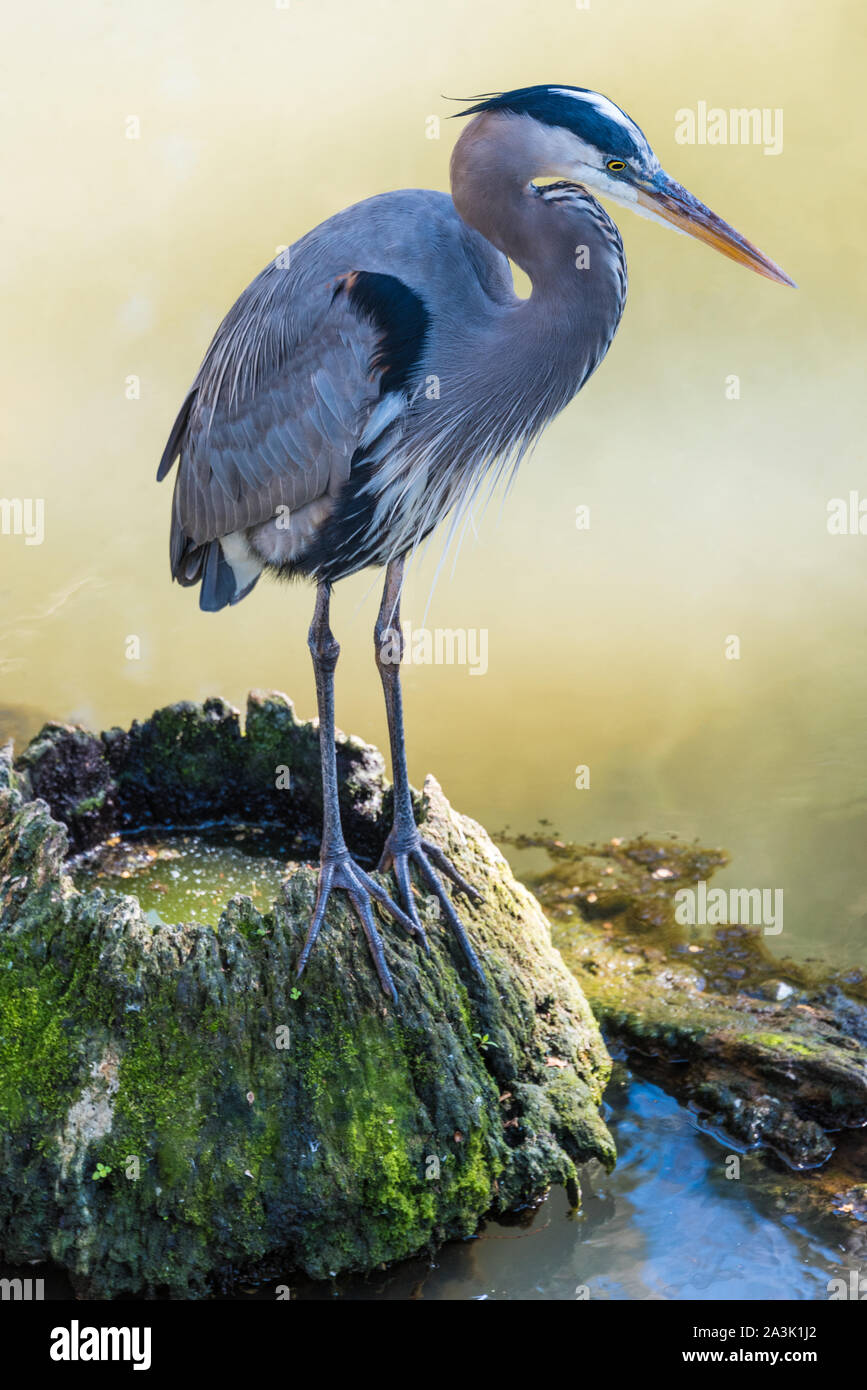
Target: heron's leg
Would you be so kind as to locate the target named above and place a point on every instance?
(337, 868)
(405, 845)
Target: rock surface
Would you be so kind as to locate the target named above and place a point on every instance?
(175, 1111)
(770, 1054)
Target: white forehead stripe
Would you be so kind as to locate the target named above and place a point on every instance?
(598, 102)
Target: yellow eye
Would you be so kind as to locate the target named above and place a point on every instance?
(615, 165)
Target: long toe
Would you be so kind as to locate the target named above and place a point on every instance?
(361, 903)
(424, 855)
(407, 897)
(447, 908)
(361, 889)
(407, 920)
(326, 881)
(445, 866)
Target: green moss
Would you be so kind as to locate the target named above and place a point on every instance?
(156, 1109)
(37, 1070)
(469, 1184)
(377, 1140)
(778, 1042)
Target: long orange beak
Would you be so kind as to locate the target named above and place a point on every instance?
(670, 200)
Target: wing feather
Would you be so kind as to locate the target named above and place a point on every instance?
(274, 415)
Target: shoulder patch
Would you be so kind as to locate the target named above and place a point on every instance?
(400, 317)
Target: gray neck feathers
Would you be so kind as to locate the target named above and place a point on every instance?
(566, 243)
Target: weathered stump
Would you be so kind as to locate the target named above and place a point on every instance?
(175, 1110)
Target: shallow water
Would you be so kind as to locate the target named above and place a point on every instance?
(190, 876)
(666, 1224)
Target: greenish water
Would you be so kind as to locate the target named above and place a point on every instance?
(607, 647)
(189, 877)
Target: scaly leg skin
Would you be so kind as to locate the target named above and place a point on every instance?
(337, 868)
(405, 845)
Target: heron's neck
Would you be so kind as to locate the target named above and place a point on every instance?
(489, 182)
(573, 261)
(493, 166)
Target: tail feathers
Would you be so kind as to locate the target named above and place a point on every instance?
(225, 568)
(207, 565)
(218, 580)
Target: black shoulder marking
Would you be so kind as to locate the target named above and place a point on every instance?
(549, 105)
(400, 317)
(348, 539)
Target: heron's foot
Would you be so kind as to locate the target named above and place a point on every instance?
(341, 871)
(404, 848)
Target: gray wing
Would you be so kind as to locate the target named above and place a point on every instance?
(274, 415)
(288, 384)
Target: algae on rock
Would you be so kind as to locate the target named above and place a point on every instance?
(768, 1052)
(176, 1109)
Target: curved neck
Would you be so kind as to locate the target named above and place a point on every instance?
(558, 336)
(493, 166)
(490, 178)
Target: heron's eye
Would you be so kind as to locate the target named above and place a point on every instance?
(615, 165)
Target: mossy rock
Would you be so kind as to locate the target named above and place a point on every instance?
(175, 1111)
(768, 1052)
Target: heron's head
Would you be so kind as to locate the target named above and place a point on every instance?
(580, 135)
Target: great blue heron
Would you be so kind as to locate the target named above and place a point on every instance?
(368, 380)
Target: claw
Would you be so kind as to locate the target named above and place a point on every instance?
(446, 867)
(421, 853)
(344, 873)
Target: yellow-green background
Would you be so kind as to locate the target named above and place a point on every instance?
(606, 647)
